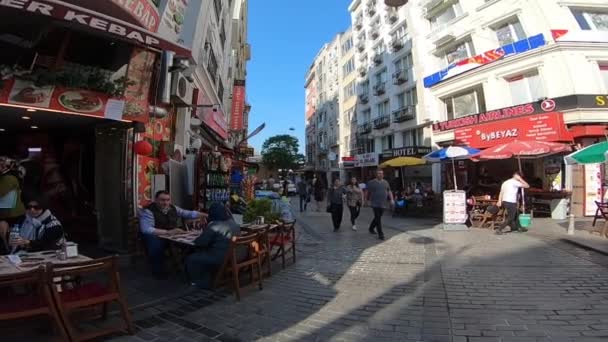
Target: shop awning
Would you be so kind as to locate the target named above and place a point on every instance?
(592, 154)
(403, 161)
(88, 15)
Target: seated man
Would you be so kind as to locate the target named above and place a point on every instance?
(214, 243)
(158, 219)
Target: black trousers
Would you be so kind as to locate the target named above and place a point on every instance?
(336, 215)
(377, 221)
(512, 219)
(303, 202)
(354, 213)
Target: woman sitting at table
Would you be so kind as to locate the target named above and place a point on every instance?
(39, 230)
(214, 243)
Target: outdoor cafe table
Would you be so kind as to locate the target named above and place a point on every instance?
(30, 261)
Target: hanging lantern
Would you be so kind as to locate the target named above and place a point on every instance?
(395, 3)
(143, 148)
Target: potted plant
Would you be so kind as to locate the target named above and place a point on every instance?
(260, 207)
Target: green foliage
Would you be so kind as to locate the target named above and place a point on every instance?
(281, 152)
(260, 207)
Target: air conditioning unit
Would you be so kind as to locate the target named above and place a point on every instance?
(181, 89)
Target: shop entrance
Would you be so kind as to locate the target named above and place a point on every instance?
(77, 163)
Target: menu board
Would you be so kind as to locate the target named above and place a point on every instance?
(454, 207)
(593, 187)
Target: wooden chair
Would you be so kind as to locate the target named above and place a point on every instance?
(284, 241)
(601, 212)
(232, 265)
(83, 295)
(36, 303)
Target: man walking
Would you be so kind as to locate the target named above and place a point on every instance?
(508, 199)
(378, 191)
(303, 193)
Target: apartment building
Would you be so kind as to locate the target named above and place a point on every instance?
(347, 120)
(322, 110)
(391, 120)
(506, 69)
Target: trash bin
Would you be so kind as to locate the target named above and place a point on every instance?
(559, 209)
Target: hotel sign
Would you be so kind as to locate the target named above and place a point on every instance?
(409, 151)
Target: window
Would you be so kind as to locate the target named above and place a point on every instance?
(404, 62)
(220, 90)
(459, 52)
(348, 67)
(370, 147)
(350, 90)
(367, 115)
(347, 45)
(604, 74)
(441, 18)
(510, 33)
(223, 34)
(591, 20)
(212, 64)
(465, 103)
(400, 33)
(380, 48)
(413, 137)
(387, 142)
(380, 77)
(411, 97)
(526, 88)
(400, 100)
(383, 108)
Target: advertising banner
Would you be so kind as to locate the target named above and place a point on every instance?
(541, 127)
(593, 187)
(238, 105)
(366, 159)
(139, 72)
(146, 168)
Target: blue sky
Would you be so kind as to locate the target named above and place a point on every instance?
(285, 37)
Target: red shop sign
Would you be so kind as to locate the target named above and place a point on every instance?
(541, 127)
(238, 105)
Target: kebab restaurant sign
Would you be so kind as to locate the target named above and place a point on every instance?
(98, 21)
(541, 127)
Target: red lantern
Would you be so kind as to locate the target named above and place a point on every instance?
(143, 148)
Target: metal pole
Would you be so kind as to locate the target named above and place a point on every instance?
(454, 173)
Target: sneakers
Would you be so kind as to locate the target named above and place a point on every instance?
(372, 231)
(354, 227)
(381, 237)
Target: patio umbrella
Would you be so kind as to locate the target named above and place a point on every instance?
(453, 153)
(522, 149)
(592, 154)
(401, 162)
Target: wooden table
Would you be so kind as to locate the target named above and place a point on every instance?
(33, 260)
(186, 238)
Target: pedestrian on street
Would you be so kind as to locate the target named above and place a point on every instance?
(378, 191)
(354, 200)
(508, 200)
(335, 198)
(319, 192)
(303, 194)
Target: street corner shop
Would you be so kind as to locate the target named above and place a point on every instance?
(76, 99)
(579, 120)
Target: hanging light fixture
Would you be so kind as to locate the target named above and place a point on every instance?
(395, 3)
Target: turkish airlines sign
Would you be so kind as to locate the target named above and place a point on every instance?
(98, 21)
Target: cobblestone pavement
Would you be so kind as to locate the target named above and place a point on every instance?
(421, 284)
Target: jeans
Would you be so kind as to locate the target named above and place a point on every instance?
(201, 267)
(155, 247)
(354, 213)
(377, 221)
(303, 202)
(336, 215)
(512, 218)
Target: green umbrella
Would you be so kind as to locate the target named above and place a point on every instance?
(593, 154)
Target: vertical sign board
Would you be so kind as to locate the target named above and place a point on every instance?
(454, 210)
(593, 187)
(238, 105)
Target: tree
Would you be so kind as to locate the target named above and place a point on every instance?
(281, 152)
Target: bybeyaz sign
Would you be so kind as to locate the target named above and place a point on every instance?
(487, 57)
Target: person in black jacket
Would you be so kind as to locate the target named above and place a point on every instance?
(40, 229)
(213, 243)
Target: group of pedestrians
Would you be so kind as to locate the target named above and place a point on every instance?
(378, 195)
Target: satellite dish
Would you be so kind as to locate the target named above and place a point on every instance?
(395, 3)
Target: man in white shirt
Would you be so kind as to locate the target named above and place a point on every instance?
(508, 199)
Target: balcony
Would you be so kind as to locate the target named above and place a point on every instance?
(364, 98)
(374, 32)
(382, 122)
(404, 114)
(400, 76)
(377, 59)
(362, 71)
(397, 43)
(380, 89)
(361, 46)
(359, 23)
(391, 17)
(371, 10)
(363, 59)
(364, 128)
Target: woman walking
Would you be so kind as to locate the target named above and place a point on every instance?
(354, 199)
(319, 192)
(335, 199)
